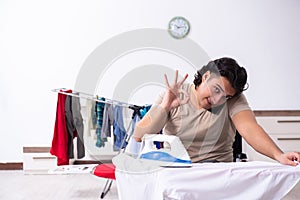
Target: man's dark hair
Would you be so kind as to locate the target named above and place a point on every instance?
(228, 68)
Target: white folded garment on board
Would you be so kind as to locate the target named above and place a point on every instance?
(232, 181)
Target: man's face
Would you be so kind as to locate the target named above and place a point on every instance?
(213, 91)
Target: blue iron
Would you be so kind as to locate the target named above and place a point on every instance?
(166, 150)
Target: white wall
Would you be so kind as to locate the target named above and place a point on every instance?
(43, 45)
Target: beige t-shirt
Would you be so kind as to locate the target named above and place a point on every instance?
(206, 134)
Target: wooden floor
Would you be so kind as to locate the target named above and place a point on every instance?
(15, 185)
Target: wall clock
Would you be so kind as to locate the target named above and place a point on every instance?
(179, 27)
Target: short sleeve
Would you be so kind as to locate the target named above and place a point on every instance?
(237, 104)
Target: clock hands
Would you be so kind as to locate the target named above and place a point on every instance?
(179, 27)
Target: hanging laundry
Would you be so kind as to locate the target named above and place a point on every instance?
(59, 146)
(134, 146)
(108, 120)
(94, 115)
(74, 123)
(89, 116)
(99, 113)
(119, 130)
(102, 116)
(144, 110)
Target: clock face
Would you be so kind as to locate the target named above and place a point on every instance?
(179, 27)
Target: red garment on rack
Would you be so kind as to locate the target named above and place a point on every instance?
(59, 146)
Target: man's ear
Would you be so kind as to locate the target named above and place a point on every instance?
(206, 76)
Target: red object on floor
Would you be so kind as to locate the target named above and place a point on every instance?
(106, 170)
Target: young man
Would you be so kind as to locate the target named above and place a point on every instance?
(206, 114)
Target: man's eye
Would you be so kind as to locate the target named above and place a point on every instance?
(217, 90)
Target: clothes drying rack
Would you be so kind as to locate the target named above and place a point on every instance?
(109, 170)
(93, 98)
(87, 96)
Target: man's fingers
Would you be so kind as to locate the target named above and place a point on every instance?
(176, 77)
(175, 80)
(166, 81)
(184, 78)
(185, 98)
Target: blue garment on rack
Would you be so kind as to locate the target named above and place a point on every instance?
(119, 130)
(93, 114)
(144, 111)
(99, 113)
(134, 147)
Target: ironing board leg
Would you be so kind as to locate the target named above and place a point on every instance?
(106, 188)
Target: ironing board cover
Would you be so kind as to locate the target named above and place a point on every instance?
(232, 181)
(106, 170)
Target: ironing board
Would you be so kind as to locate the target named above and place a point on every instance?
(232, 181)
(105, 170)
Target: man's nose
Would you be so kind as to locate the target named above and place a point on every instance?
(216, 99)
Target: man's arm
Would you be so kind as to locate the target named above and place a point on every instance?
(255, 136)
(152, 122)
(157, 116)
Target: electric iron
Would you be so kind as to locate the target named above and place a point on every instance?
(166, 150)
